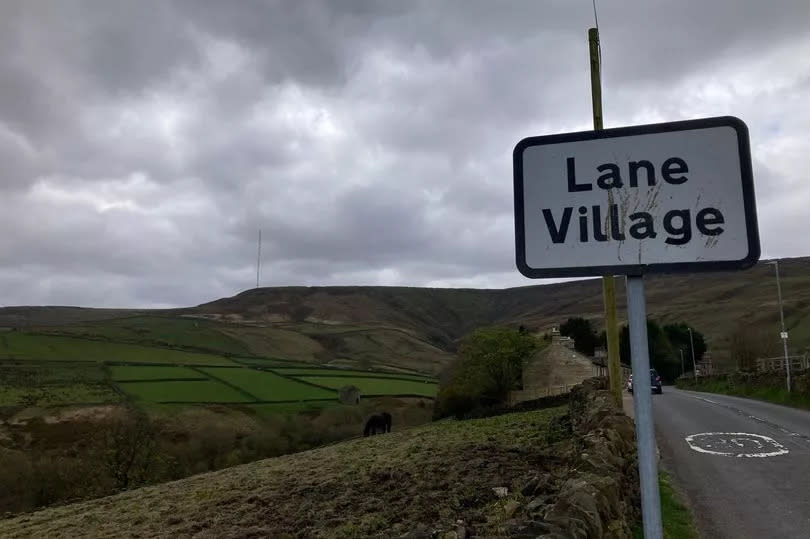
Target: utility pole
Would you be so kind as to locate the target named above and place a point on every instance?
(692, 343)
(784, 334)
(683, 369)
(608, 281)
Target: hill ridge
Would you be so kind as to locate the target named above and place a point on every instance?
(434, 319)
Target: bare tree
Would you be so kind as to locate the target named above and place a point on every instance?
(130, 449)
(747, 344)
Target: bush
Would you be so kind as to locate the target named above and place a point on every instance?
(490, 365)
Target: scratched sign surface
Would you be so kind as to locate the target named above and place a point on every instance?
(655, 198)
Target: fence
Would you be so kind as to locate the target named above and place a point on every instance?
(769, 364)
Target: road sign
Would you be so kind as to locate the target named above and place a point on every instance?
(654, 198)
(783, 335)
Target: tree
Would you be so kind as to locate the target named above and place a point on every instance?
(490, 364)
(662, 354)
(747, 344)
(580, 329)
(678, 335)
(130, 449)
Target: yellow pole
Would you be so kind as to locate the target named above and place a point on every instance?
(608, 281)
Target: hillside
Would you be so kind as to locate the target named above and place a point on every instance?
(395, 328)
(419, 479)
(714, 303)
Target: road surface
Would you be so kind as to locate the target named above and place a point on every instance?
(744, 465)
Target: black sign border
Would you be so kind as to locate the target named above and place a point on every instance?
(749, 201)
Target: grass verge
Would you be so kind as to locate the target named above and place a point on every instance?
(795, 399)
(677, 519)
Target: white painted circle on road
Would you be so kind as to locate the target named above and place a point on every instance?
(735, 444)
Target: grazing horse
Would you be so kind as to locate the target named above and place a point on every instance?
(378, 422)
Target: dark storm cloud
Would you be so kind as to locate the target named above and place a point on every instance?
(143, 144)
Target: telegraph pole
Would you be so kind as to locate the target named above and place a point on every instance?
(784, 334)
(637, 321)
(608, 281)
(692, 344)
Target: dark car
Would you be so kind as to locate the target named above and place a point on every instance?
(655, 382)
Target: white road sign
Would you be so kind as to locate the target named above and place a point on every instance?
(656, 198)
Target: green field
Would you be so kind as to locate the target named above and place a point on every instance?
(157, 331)
(32, 374)
(68, 364)
(295, 371)
(267, 386)
(269, 362)
(56, 395)
(202, 391)
(19, 345)
(376, 386)
(121, 373)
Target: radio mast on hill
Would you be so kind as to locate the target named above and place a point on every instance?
(259, 258)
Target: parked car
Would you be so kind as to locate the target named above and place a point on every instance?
(655, 383)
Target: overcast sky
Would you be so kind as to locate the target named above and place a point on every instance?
(144, 143)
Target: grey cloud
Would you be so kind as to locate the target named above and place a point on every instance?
(142, 145)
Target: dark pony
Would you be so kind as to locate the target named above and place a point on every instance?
(378, 422)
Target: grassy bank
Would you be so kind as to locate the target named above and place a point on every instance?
(768, 388)
(422, 478)
(677, 519)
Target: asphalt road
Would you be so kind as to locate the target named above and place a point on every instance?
(765, 491)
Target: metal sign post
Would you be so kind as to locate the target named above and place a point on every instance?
(642, 407)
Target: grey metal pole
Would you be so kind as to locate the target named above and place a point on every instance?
(692, 343)
(642, 404)
(782, 318)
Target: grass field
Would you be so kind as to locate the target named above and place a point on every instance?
(270, 362)
(57, 395)
(275, 342)
(30, 374)
(202, 391)
(75, 363)
(121, 373)
(267, 386)
(19, 345)
(346, 372)
(376, 386)
(424, 478)
(368, 348)
(157, 331)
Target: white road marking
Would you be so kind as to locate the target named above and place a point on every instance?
(770, 424)
(745, 444)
